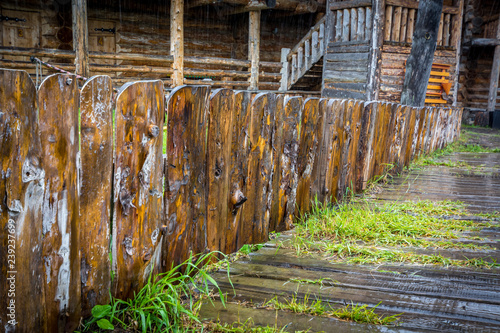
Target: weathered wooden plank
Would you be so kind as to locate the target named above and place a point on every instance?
(354, 24)
(185, 178)
(391, 146)
(288, 176)
(361, 24)
(380, 139)
(355, 127)
(388, 23)
(277, 144)
(240, 148)
(440, 31)
(345, 25)
(410, 135)
(396, 24)
(411, 25)
(365, 146)
(95, 194)
(319, 165)
(138, 213)
(308, 145)
(369, 23)
(404, 23)
(333, 169)
(345, 148)
(403, 129)
(58, 101)
(218, 168)
(256, 212)
(177, 41)
(21, 198)
(338, 26)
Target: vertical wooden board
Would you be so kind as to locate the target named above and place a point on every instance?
(396, 25)
(240, 148)
(288, 176)
(137, 215)
(347, 139)
(277, 144)
(399, 141)
(392, 132)
(410, 134)
(334, 165)
(355, 125)
(431, 129)
(381, 134)
(96, 132)
(405, 133)
(308, 145)
(21, 198)
(426, 131)
(364, 151)
(58, 102)
(256, 211)
(404, 22)
(424, 112)
(218, 167)
(185, 178)
(416, 131)
(325, 146)
(318, 164)
(368, 169)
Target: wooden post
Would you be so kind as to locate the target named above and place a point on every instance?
(284, 69)
(377, 40)
(495, 71)
(419, 63)
(80, 37)
(177, 41)
(455, 40)
(254, 48)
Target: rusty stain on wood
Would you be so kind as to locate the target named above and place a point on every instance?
(95, 193)
(58, 102)
(185, 178)
(138, 188)
(218, 168)
(21, 198)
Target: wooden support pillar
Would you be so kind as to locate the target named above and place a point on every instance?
(495, 71)
(177, 41)
(254, 48)
(377, 40)
(419, 63)
(80, 37)
(456, 40)
(284, 69)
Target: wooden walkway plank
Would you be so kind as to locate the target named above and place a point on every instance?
(21, 197)
(185, 178)
(240, 148)
(95, 193)
(256, 212)
(277, 144)
(220, 127)
(58, 102)
(138, 213)
(308, 145)
(287, 176)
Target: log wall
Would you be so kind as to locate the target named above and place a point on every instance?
(236, 166)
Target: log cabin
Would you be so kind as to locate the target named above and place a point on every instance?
(333, 48)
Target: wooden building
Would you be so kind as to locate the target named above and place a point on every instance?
(345, 49)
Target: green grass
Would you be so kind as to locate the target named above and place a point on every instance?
(359, 232)
(168, 302)
(315, 307)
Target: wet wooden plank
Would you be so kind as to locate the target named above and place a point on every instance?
(58, 102)
(409, 143)
(380, 138)
(365, 146)
(256, 212)
(220, 127)
(277, 144)
(288, 176)
(333, 171)
(185, 178)
(318, 169)
(356, 126)
(401, 130)
(345, 148)
(308, 145)
(21, 197)
(95, 193)
(240, 148)
(138, 188)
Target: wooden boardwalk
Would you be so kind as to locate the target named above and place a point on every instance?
(430, 298)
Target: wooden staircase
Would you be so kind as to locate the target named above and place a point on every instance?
(302, 66)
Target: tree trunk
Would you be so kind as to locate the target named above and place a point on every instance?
(419, 63)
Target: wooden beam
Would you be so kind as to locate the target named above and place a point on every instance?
(495, 72)
(455, 40)
(485, 42)
(350, 4)
(80, 37)
(177, 41)
(254, 48)
(377, 40)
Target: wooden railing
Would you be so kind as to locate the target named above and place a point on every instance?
(297, 61)
(401, 16)
(353, 21)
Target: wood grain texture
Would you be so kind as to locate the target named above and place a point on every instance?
(240, 148)
(355, 126)
(364, 153)
(333, 173)
(58, 101)
(308, 146)
(21, 197)
(320, 156)
(220, 128)
(185, 178)
(288, 176)
(381, 129)
(95, 193)
(256, 212)
(138, 185)
(277, 144)
(345, 148)
(410, 135)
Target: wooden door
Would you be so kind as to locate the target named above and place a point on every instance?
(101, 39)
(25, 32)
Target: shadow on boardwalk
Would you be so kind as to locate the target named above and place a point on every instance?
(430, 297)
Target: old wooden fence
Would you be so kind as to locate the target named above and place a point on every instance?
(84, 194)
